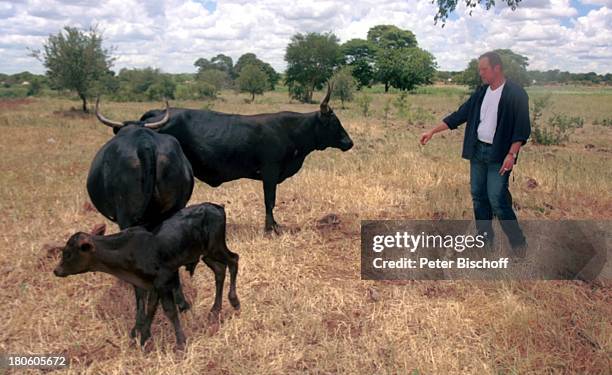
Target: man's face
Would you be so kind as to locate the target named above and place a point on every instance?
(486, 71)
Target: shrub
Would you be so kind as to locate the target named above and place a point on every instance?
(607, 122)
(558, 130)
(344, 84)
(364, 101)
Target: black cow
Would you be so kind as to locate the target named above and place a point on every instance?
(267, 147)
(151, 259)
(140, 177)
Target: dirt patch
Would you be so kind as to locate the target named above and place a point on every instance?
(74, 113)
(442, 291)
(339, 324)
(14, 103)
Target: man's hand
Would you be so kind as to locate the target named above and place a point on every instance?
(507, 164)
(425, 137)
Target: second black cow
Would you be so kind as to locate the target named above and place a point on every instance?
(267, 147)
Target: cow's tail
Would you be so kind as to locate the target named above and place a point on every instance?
(148, 162)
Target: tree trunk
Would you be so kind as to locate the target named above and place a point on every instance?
(84, 99)
(386, 86)
(252, 97)
(311, 92)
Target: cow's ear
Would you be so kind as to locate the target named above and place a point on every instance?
(98, 230)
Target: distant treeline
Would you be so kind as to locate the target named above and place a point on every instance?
(538, 77)
(151, 84)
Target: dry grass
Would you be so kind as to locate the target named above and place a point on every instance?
(304, 307)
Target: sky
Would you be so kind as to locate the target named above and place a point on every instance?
(172, 34)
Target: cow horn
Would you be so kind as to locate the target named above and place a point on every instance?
(162, 122)
(325, 102)
(104, 120)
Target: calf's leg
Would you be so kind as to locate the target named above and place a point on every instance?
(151, 309)
(232, 263)
(140, 295)
(219, 270)
(177, 294)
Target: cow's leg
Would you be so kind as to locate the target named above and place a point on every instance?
(232, 263)
(141, 295)
(151, 309)
(219, 270)
(270, 179)
(177, 294)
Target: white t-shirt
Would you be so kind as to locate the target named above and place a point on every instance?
(488, 114)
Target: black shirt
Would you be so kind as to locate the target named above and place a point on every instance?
(512, 120)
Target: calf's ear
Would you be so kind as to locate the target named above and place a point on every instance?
(85, 244)
(98, 230)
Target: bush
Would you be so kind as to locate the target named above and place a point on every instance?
(298, 92)
(344, 84)
(13, 92)
(195, 91)
(559, 128)
(214, 78)
(419, 116)
(401, 104)
(386, 110)
(364, 101)
(607, 122)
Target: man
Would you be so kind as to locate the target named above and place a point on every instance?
(497, 117)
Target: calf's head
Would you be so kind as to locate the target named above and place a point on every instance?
(330, 132)
(78, 254)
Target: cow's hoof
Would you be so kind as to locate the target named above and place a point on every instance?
(235, 302)
(274, 228)
(214, 317)
(134, 332)
(180, 344)
(144, 336)
(184, 306)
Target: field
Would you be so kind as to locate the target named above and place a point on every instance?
(304, 307)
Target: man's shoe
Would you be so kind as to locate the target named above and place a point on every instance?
(520, 250)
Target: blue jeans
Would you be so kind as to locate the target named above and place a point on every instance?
(490, 196)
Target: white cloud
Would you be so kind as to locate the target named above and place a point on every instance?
(172, 34)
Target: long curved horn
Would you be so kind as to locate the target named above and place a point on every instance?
(162, 122)
(104, 120)
(324, 104)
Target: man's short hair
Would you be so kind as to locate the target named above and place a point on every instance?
(494, 59)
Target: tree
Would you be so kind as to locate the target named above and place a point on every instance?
(203, 64)
(399, 61)
(405, 68)
(252, 79)
(360, 55)
(344, 84)
(225, 64)
(445, 7)
(515, 68)
(391, 37)
(214, 77)
(311, 59)
(75, 60)
(251, 59)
